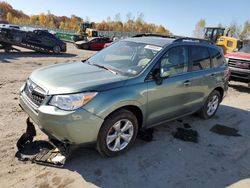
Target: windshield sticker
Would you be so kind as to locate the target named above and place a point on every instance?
(151, 47)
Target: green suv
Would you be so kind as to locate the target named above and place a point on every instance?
(133, 84)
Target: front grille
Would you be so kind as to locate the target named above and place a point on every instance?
(35, 93)
(239, 63)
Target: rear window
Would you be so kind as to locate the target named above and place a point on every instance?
(200, 57)
(217, 58)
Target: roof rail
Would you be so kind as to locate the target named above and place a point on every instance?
(153, 35)
(189, 39)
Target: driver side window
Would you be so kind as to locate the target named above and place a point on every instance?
(175, 61)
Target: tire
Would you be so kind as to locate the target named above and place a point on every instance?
(18, 39)
(211, 105)
(110, 141)
(56, 49)
(85, 46)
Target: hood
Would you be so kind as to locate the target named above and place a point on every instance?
(75, 77)
(238, 55)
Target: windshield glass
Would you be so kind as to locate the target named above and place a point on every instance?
(125, 57)
(245, 48)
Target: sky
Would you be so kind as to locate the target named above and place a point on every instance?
(179, 16)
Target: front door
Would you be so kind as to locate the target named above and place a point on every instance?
(170, 98)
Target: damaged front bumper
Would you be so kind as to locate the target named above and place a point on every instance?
(41, 152)
(72, 127)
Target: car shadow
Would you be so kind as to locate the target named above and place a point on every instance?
(169, 162)
(242, 87)
(7, 57)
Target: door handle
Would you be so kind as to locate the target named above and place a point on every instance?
(187, 83)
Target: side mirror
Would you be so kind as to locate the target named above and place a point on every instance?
(164, 73)
(236, 50)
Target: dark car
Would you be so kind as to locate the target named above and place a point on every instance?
(39, 40)
(239, 64)
(95, 43)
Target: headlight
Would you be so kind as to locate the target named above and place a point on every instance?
(227, 59)
(71, 101)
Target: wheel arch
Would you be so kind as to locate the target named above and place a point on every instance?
(136, 110)
(221, 91)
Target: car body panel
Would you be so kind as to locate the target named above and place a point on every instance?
(75, 77)
(69, 128)
(239, 64)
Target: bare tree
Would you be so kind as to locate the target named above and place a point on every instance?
(245, 33)
(199, 29)
(234, 29)
(117, 17)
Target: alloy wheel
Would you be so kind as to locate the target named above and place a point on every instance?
(120, 135)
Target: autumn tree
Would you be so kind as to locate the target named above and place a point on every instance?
(199, 29)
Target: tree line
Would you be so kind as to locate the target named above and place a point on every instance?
(132, 23)
(234, 29)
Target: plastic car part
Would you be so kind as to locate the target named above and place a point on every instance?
(41, 152)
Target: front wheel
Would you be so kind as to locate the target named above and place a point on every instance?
(117, 133)
(211, 105)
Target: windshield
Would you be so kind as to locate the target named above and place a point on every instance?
(245, 48)
(125, 57)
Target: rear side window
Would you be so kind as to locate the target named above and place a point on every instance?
(217, 58)
(200, 57)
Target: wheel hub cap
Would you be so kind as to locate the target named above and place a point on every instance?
(120, 135)
(212, 105)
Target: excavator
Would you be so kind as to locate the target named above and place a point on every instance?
(222, 39)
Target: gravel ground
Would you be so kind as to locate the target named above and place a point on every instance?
(215, 161)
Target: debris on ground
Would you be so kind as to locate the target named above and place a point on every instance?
(224, 130)
(186, 135)
(146, 134)
(187, 125)
(41, 152)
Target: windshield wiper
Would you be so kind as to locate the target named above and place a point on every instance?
(103, 67)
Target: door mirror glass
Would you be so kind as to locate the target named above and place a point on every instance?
(165, 72)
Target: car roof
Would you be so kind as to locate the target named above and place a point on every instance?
(157, 41)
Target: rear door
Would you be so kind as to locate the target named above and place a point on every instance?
(171, 98)
(203, 77)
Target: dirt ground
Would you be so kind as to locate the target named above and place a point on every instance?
(215, 161)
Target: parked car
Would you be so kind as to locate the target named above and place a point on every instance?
(95, 43)
(239, 64)
(133, 84)
(36, 40)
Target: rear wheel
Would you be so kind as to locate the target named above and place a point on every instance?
(211, 105)
(117, 133)
(56, 49)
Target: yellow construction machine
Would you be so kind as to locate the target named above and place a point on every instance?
(218, 36)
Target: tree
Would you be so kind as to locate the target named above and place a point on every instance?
(42, 19)
(118, 18)
(234, 29)
(129, 16)
(245, 33)
(9, 17)
(199, 28)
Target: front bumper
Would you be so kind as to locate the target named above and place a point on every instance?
(238, 73)
(73, 127)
